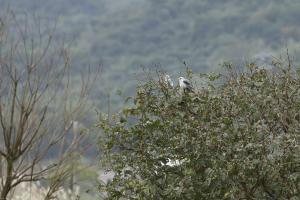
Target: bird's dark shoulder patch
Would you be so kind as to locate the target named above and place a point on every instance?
(186, 82)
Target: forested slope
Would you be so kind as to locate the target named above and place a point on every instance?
(125, 35)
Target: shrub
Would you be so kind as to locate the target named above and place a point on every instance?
(236, 138)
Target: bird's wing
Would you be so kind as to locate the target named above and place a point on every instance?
(186, 82)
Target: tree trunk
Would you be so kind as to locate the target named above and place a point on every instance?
(1, 165)
(7, 185)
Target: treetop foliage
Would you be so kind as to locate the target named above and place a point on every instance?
(236, 138)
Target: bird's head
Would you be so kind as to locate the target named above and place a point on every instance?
(181, 78)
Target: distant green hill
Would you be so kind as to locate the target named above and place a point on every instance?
(125, 35)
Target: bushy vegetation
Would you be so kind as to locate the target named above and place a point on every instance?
(237, 137)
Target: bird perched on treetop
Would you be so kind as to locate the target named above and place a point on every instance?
(185, 84)
(168, 81)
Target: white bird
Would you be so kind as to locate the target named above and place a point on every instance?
(168, 81)
(185, 84)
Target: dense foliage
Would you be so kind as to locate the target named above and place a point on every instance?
(235, 138)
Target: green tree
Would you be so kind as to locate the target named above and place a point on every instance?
(236, 138)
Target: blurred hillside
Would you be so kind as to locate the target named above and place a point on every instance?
(125, 35)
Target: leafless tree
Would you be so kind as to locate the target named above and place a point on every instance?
(37, 105)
